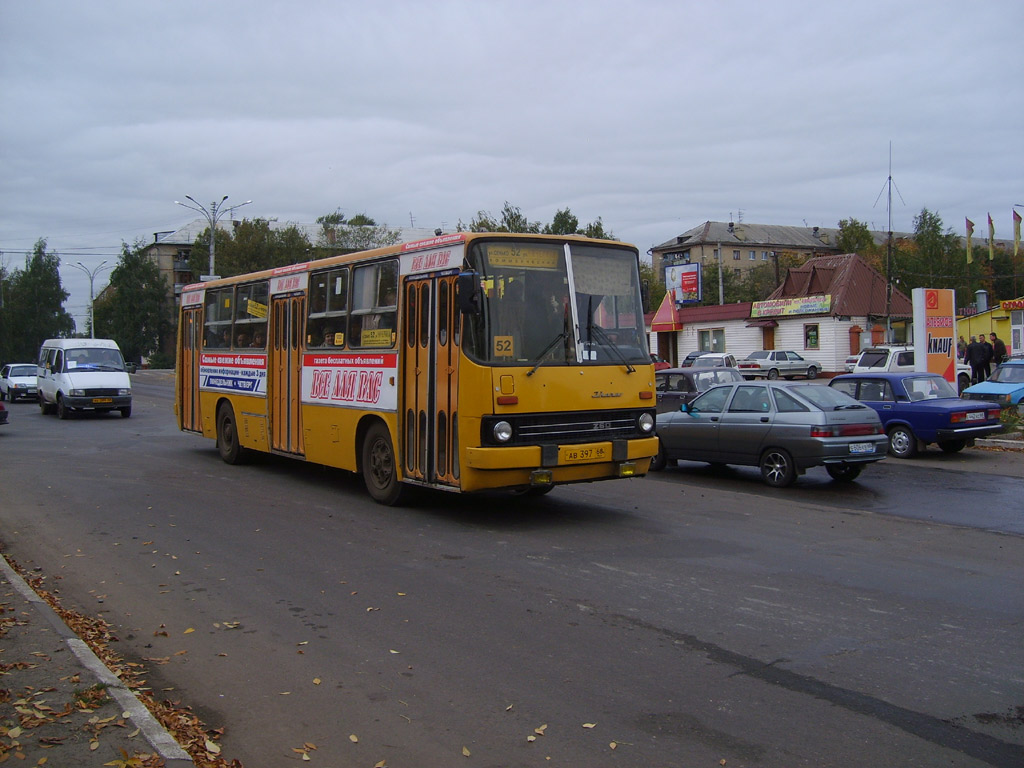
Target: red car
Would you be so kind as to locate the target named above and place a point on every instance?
(660, 364)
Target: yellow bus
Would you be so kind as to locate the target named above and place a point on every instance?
(466, 362)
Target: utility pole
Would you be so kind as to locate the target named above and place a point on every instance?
(92, 276)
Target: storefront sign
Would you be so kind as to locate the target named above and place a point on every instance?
(803, 305)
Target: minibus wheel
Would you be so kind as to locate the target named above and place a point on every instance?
(228, 446)
(380, 471)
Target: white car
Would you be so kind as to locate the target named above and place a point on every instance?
(900, 358)
(18, 380)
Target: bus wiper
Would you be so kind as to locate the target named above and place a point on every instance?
(540, 358)
(606, 340)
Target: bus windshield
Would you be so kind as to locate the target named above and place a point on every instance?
(556, 304)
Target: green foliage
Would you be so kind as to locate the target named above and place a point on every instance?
(33, 309)
(654, 288)
(855, 237)
(513, 220)
(135, 309)
(360, 233)
(251, 245)
(161, 361)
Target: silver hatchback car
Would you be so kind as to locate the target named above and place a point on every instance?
(783, 428)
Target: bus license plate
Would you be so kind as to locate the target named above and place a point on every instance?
(862, 447)
(583, 454)
(98, 400)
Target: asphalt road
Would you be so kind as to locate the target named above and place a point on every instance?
(686, 618)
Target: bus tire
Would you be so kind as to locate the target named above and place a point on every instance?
(379, 467)
(228, 445)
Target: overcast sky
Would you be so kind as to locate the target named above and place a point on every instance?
(655, 116)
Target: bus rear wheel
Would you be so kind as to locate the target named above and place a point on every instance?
(380, 471)
(228, 445)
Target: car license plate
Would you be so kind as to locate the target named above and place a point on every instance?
(580, 455)
(976, 416)
(862, 447)
(98, 400)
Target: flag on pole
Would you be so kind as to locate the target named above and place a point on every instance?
(991, 238)
(970, 232)
(1016, 233)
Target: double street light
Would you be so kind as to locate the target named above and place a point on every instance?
(213, 214)
(92, 276)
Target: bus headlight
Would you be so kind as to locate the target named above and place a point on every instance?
(646, 422)
(502, 432)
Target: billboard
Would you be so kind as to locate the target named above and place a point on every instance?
(684, 284)
(934, 331)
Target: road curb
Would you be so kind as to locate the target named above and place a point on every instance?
(158, 737)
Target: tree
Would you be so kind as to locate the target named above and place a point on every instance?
(134, 310)
(251, 245)
(33, 308)
(653, 287)
(564, 223)
(360, 233)
(855, 237)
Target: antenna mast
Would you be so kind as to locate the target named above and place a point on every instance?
(888, 248)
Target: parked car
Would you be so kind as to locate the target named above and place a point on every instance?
(783, 429)
(920, 408)
(18, 380)
(1005, 387)
(714, 360)
(691, 356)
(660, 363)
(900, 357)
(772, 363)
(3, 414)
(851, 362)
(676, 386)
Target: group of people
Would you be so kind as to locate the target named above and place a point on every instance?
(980, 353)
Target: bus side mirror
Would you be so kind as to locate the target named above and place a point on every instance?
(467, 288)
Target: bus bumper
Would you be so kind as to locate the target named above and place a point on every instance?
(534, 465)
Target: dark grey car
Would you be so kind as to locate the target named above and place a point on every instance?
(676, 386)
(782, 428)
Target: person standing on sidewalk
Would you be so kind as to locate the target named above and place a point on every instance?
(988, 355)
(998, 349)
(975, 354)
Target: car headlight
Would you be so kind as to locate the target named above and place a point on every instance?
(77, 393)
(502, 432)
(124, 392)
(645, 422)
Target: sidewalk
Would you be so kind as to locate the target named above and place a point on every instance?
(59, 704)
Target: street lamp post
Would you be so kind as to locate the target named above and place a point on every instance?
(213, 214)
(92, 276)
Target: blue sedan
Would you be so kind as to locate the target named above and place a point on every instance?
(920, 408)
(1005, 386)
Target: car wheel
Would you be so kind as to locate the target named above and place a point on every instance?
(812, 372)
(379, 468)
(2, 396)
(952, 446)
(777, 468)
(228, 445)
(773, 374)
(844, 472)
(125, 412)
(63, 412)
(902, 443)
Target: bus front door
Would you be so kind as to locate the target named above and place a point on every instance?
(284, 387)
(190, 417)
(430, 381)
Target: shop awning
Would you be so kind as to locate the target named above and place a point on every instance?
(666, 319)
(762, 324)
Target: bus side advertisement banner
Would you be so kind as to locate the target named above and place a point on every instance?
(353, 379)
(235, 373)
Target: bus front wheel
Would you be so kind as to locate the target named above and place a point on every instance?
(380, 472)
(228, 445)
